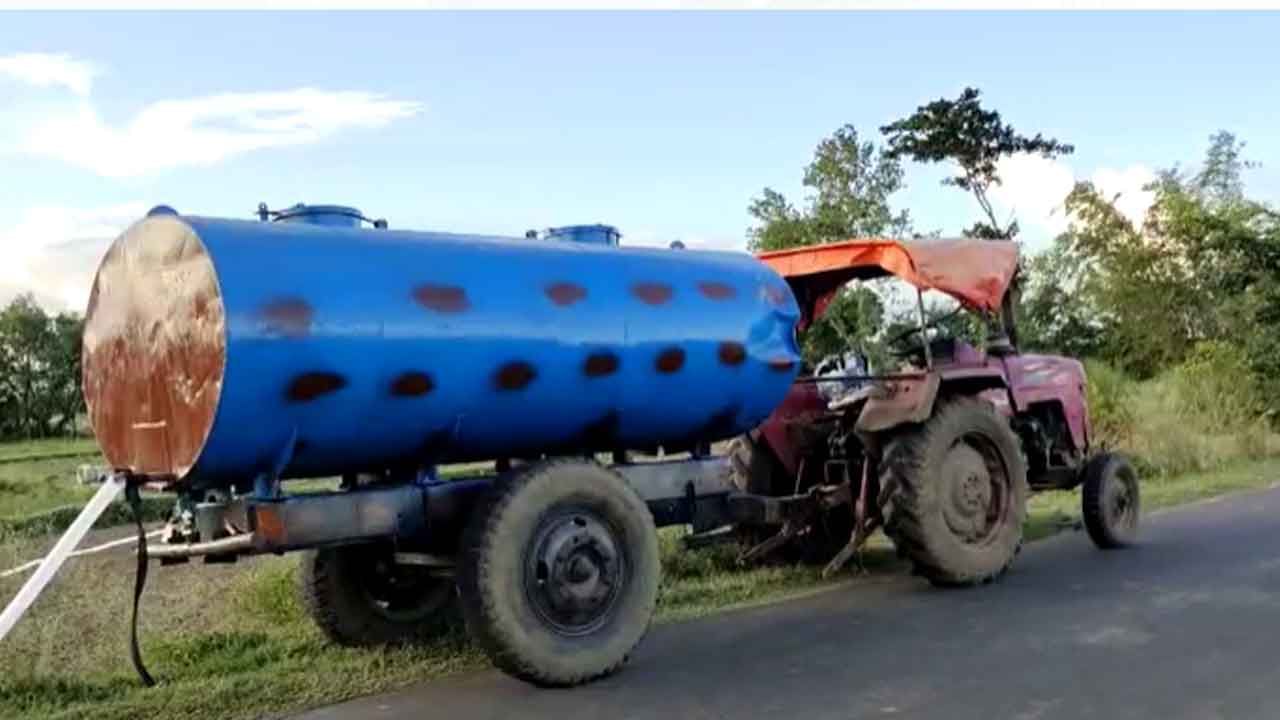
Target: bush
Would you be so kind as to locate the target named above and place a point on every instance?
(1200, 415)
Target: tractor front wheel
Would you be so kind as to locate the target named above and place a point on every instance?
(1110, 501)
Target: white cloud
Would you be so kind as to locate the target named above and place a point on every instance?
(1126, 189)
(198, 131)
(54, 251)
(49, 70)
(1033, 188)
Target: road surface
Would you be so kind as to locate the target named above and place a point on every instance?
(1187, 625)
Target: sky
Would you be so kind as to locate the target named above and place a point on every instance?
(662, 124)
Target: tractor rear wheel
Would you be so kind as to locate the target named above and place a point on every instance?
(1110, 501)
(559, 572)
(954, 494)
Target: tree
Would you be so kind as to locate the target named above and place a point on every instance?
(66, 397)
(961, 131)
(1056, 315)
(850, 181)
(1203, 268)
(25, 341)
(39, 370)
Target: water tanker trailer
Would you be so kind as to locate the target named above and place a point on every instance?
(223, 358)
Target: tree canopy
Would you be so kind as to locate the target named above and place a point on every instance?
(974, 139)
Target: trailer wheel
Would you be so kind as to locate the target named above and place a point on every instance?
(1110, 501)
(559, 574)
(359, 597)
(954, 494)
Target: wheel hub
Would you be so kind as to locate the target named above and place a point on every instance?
(573, 572)
(973, 498)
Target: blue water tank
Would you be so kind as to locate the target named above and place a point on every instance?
(217, 351)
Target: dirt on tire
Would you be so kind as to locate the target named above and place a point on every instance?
(954, 494)
(500, 614)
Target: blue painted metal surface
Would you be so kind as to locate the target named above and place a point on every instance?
(349, 349)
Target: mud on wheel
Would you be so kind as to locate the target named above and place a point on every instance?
(1110, 501)
(954, 494)
(559, 573)
(358, 596)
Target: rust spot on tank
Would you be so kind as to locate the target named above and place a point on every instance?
(412, 384)
(599, 364)
(565, 293)
(782, 364)
(309, 386)
(154, 350)
(442, 298)
(732, 353)
(716, 290)
(652, 293)
(514, 376)
(775, 295)
(289, 316)
(670, 360)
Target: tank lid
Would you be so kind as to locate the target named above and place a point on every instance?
(330, 215)
(593, 234)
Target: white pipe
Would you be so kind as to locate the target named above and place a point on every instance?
(131, 540)
(98, 504)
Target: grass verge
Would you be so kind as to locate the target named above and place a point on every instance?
(233, 642)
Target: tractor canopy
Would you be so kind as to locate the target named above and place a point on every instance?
(975, 272)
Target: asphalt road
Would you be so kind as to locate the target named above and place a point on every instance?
(1186, 625)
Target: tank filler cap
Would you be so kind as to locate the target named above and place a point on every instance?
(590, 234)
(329, 215)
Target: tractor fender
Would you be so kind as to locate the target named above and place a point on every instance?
(898, 401)
(911, 399)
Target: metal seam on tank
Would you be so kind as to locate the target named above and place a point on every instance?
(226, 348)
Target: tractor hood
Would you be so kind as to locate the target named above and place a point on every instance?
(975, 272)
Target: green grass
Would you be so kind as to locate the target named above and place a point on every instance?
(234, 642)
(36, 486)
(51, 446)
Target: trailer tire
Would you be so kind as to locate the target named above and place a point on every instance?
(559, 572)
(1110, 501)
(954, 494)
(358, 597)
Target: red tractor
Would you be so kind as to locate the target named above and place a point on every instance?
(942, 452)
